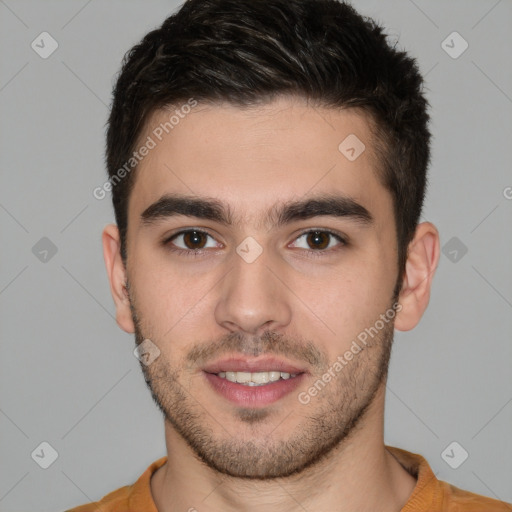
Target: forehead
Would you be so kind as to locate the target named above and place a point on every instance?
(253, 158)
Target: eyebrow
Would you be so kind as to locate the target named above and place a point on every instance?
(330, 205)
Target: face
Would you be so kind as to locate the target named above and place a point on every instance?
(258, 251)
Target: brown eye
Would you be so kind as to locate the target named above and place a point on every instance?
(191, 241)
(194, 239)
(319, 242)
(318, 239)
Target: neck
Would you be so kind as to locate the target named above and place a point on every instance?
(358, 475)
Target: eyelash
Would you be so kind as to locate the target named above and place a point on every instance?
(198, 252)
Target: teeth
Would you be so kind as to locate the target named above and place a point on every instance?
(261, 377)
(255, 378)
(231, 376)
(273, 376)
(243, 377)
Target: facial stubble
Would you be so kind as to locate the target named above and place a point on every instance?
(327, 421)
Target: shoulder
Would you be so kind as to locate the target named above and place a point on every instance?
(116, 501)
(458, 500)
(433, 495)
(135, 497)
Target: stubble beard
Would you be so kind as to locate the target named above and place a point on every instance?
(326, 421)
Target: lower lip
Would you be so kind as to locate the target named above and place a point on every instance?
(253, 396)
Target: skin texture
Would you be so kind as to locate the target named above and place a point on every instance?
(327, 454)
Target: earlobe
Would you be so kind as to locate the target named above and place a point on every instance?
(117, 277)
(422, 260)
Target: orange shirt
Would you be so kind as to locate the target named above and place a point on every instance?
(429, 495)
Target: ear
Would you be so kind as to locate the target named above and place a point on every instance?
(422, 260)
(117, 277)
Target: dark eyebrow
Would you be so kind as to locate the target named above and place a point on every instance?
(324, 205)
(212, 209)
(172, 204)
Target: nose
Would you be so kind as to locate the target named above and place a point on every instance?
(252, 299)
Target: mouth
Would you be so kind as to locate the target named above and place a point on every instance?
(253, 383)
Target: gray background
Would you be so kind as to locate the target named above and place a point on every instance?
(67, 372)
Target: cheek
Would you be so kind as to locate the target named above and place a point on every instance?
(153, 287)
(174, 303)
(348, 301)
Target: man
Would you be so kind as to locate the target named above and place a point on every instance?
(267, 161)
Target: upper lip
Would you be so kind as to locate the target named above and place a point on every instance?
(244, 364)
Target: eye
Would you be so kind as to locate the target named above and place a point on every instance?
(190, 241)
(320, 240)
